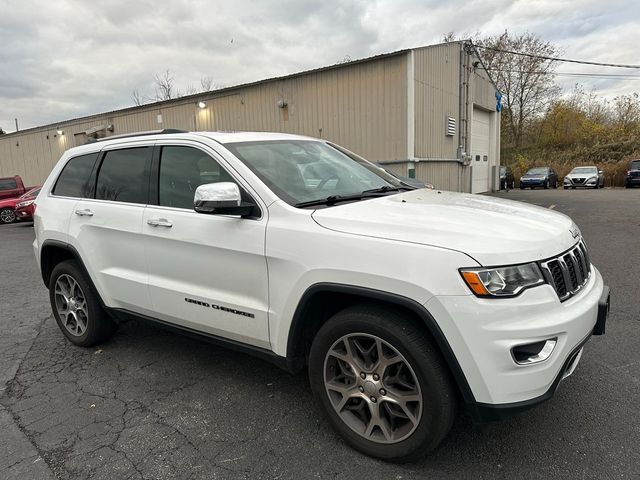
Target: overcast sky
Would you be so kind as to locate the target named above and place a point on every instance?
(62, 58)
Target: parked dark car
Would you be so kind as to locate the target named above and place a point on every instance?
(585, 177)
(506, 178)
(544, 177)
(633, 174)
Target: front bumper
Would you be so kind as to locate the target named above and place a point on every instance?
(632, 180)
(590, 183)
(532, 182)
(483, 332)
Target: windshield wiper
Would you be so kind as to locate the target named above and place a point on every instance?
(333, 199)
(330, 200)
(385, 189)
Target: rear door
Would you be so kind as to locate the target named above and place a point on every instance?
(206, 272)
(107, 229)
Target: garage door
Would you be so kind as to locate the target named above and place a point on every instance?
(480, 151)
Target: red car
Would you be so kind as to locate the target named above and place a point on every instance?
(20, 208)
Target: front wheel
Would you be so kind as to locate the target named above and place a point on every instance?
(382, 383)
(546, 185)
(7, 215)
(76, 308)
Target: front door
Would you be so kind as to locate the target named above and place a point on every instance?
(206, 272)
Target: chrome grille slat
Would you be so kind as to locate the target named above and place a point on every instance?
(576, 267)
(569, 272)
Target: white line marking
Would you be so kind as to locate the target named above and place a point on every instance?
(552, 206)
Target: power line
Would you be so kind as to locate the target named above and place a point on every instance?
(571, 74)
(558, 59)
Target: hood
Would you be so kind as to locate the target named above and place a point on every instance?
(492, 231)
(582, 175)
(534, 175)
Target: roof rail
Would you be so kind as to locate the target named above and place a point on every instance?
(139, 134)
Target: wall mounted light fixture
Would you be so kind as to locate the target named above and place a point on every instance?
(202, 105)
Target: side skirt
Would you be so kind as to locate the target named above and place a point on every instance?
(262, 353)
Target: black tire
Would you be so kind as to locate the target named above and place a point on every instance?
(566, 188)
(7, 215)
(521, 187)
(99, 325)
(438, 394)
(513, 185)
(546, 185)
(573, 188)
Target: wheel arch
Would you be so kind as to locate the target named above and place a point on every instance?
(53, 252)
(322, 300)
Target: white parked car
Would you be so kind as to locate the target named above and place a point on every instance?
(584, 177)
(403, 304)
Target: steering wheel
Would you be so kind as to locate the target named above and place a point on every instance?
(324, 181)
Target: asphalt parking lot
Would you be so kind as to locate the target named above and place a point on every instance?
(152, 404)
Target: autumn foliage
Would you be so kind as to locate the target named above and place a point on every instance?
(580, 129)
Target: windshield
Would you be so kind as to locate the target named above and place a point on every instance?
(635, 165)
(584, 170)
(537, 171)
(503, 170)
(306, 170)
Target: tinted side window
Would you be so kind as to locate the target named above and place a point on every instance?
(182, 170)
(123, 175)
(74, 178)
(8, 184)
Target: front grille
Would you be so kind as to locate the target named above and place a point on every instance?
(578, 180)
(568, 272)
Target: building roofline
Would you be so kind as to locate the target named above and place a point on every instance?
(221, 92)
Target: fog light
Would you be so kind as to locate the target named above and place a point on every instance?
(533, 352)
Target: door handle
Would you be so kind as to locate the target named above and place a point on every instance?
(159, 222)
(84, 213)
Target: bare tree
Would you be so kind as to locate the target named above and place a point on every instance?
(206, 84)
(137, 97)
(527, 81)
(164, 86)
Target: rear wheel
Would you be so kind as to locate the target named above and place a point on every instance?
(381, 383)
(76, 308)
(7, 215)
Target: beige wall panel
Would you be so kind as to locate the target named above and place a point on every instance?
(436, 75)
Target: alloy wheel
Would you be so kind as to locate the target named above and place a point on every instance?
(372, 387)
(71, 305)
(7, 216)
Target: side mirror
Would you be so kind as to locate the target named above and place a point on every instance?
(222, 198)
(600, 172)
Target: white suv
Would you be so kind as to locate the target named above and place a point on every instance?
(404, 304)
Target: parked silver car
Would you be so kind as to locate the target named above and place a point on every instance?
(586, 177)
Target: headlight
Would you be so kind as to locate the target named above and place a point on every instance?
(24, 204)
(521, 178)
(567, 180)
(592, 179)
(502, 281)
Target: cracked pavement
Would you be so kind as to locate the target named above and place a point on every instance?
(150, 404)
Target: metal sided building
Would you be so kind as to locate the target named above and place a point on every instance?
(427, 112)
